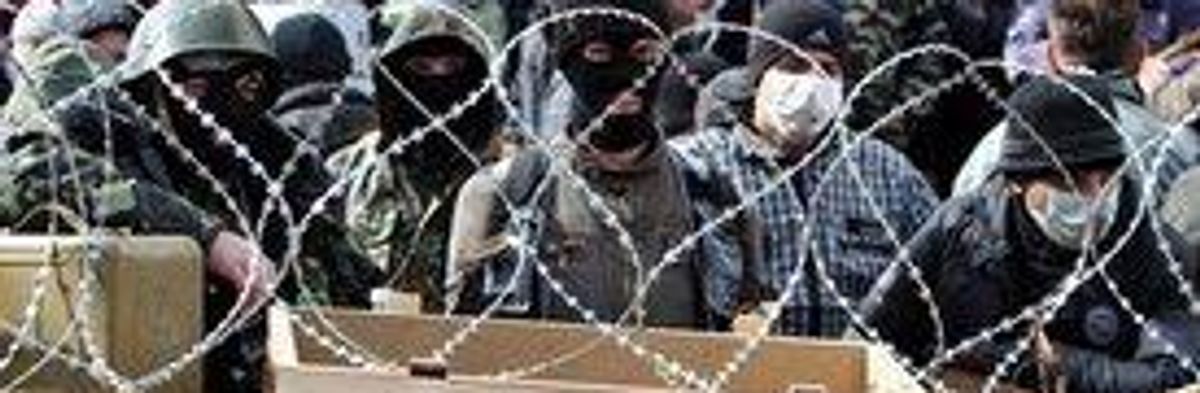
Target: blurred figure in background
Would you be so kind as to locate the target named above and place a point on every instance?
(1099, 38)
(680, 91)
(939, 133)
(316, 101)
(1172, 79)
(60, 47)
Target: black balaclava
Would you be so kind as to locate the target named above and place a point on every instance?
(596, 85)
(435, 155)
(239, 91)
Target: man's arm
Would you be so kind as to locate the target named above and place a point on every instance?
(895, 307)
(472, 239)
(1157, 366)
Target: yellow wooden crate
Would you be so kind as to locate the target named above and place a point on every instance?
(146, 310)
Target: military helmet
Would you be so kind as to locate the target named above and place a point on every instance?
(178, 27)
(86, 17)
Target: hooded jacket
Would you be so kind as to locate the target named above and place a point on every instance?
(400, 207)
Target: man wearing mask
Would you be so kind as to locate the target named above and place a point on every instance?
(785, 109)
(620, 158)
(316, 100)
(1062, 206)
(1096, 37)
(400, 207)
(203, 169)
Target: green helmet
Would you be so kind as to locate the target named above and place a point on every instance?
(179, 27)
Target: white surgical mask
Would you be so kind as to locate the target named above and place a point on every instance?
(801, 106)
(1068, 217)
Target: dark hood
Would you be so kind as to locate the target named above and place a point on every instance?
(420, 29)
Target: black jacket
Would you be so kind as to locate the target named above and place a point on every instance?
(984, 261)
(328, 115)
(146, 157)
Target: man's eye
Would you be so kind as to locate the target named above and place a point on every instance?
(195, 87)
(646, 50)
(598, 52)
(436, 65)
(250, 85)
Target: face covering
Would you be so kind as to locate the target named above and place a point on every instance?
(597, 85)
(799, 106)
(1068, 217)
(435, 159)
(236, 91)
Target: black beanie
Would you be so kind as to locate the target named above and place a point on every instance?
(808, 24)
(680, 89)
(1076, 132)
(311, 48)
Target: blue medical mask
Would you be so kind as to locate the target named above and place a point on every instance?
(1068, 216)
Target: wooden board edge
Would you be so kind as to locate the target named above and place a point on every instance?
(281, 341)
(885, 375)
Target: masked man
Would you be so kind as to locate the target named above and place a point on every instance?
(401, 205)
(204, 168)
(1061, 208)
(619, 157)
(784, 107)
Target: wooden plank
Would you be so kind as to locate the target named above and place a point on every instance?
(312, 379)
(504, 345)
(155, 307)
(884, 375)
(281, 340)
(146, 312)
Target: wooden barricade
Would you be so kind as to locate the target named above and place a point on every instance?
(146, 310)
(301, 365)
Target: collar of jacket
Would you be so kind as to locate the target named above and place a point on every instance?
(313, 94)
(990, 228)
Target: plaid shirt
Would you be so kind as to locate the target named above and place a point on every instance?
(848, 239)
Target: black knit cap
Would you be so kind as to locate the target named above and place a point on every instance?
(808, 24)
(567, 34)
(680, 89)
(1074, 131)
(311, 48)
